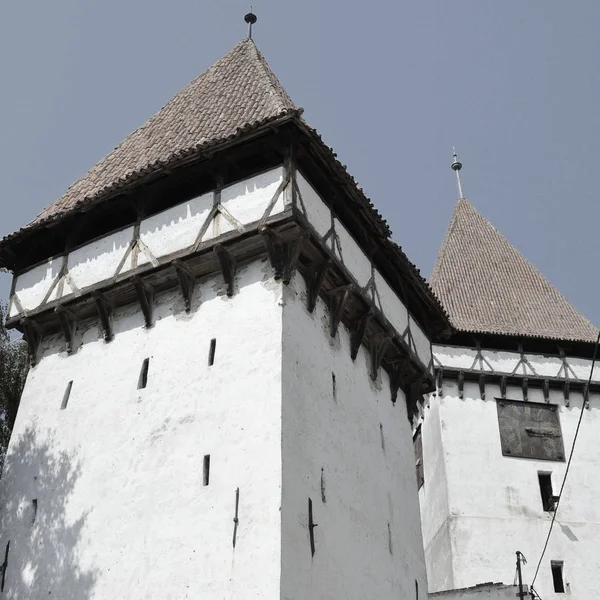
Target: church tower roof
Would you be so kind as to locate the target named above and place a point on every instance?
(238, 92)
(233, 120)
(487, 286)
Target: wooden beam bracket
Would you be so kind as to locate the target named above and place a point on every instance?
(315, 276)
(145, 294)
(292, 255)
(186, 282)
(398, 378)
(283, 253)
(413, 396)
(439, 381)
(546, 388)
(482, 386)
(336, 308)
(104, 310)
(33, 336)
(378, 345)
(68, 324)
(461, 384)
(357, 335)
(227, 265)
(585, 391)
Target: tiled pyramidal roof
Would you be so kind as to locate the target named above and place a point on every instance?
(237, 92)
(233, 98)
(487, 286)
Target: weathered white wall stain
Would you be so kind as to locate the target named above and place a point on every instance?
(95, 262)
(129, 518)
(175, 228)
(317, 212)
(494, 505)
(353, 258)
(367, 485)
(33, 285)
(391, 305)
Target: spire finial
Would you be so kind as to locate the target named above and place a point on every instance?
(456, 167)
(250, 18)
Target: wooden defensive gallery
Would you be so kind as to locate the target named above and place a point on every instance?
(232, 363)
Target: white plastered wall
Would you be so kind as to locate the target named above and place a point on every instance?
(359, 442)
(434, 503)
(494, 504)
(118, 475)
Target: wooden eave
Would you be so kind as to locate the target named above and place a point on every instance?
(513, 343)
(291, 245)
(218, 165)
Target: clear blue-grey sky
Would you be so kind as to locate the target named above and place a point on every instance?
(392, 86)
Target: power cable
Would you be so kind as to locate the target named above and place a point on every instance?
(585, 400)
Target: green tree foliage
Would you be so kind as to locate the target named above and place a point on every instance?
(14, 365)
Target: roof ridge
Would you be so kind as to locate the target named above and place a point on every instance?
(284, 97)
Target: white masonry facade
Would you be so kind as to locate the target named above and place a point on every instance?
(480, 505)
(217, 438)
(494, 439)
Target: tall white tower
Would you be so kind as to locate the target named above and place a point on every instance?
(227, 349)
(495, 438)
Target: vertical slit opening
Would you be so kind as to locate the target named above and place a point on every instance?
(211, 352)
(416, 589)
(311, 528)
(206, 470)
(390, 539)
(333, 386)
(557, 576)
(381, 435)
(143, 380)
(4, 565)
(323, 497)
(65, 399)
(418, 447)
(545, 481)
(34, 508)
